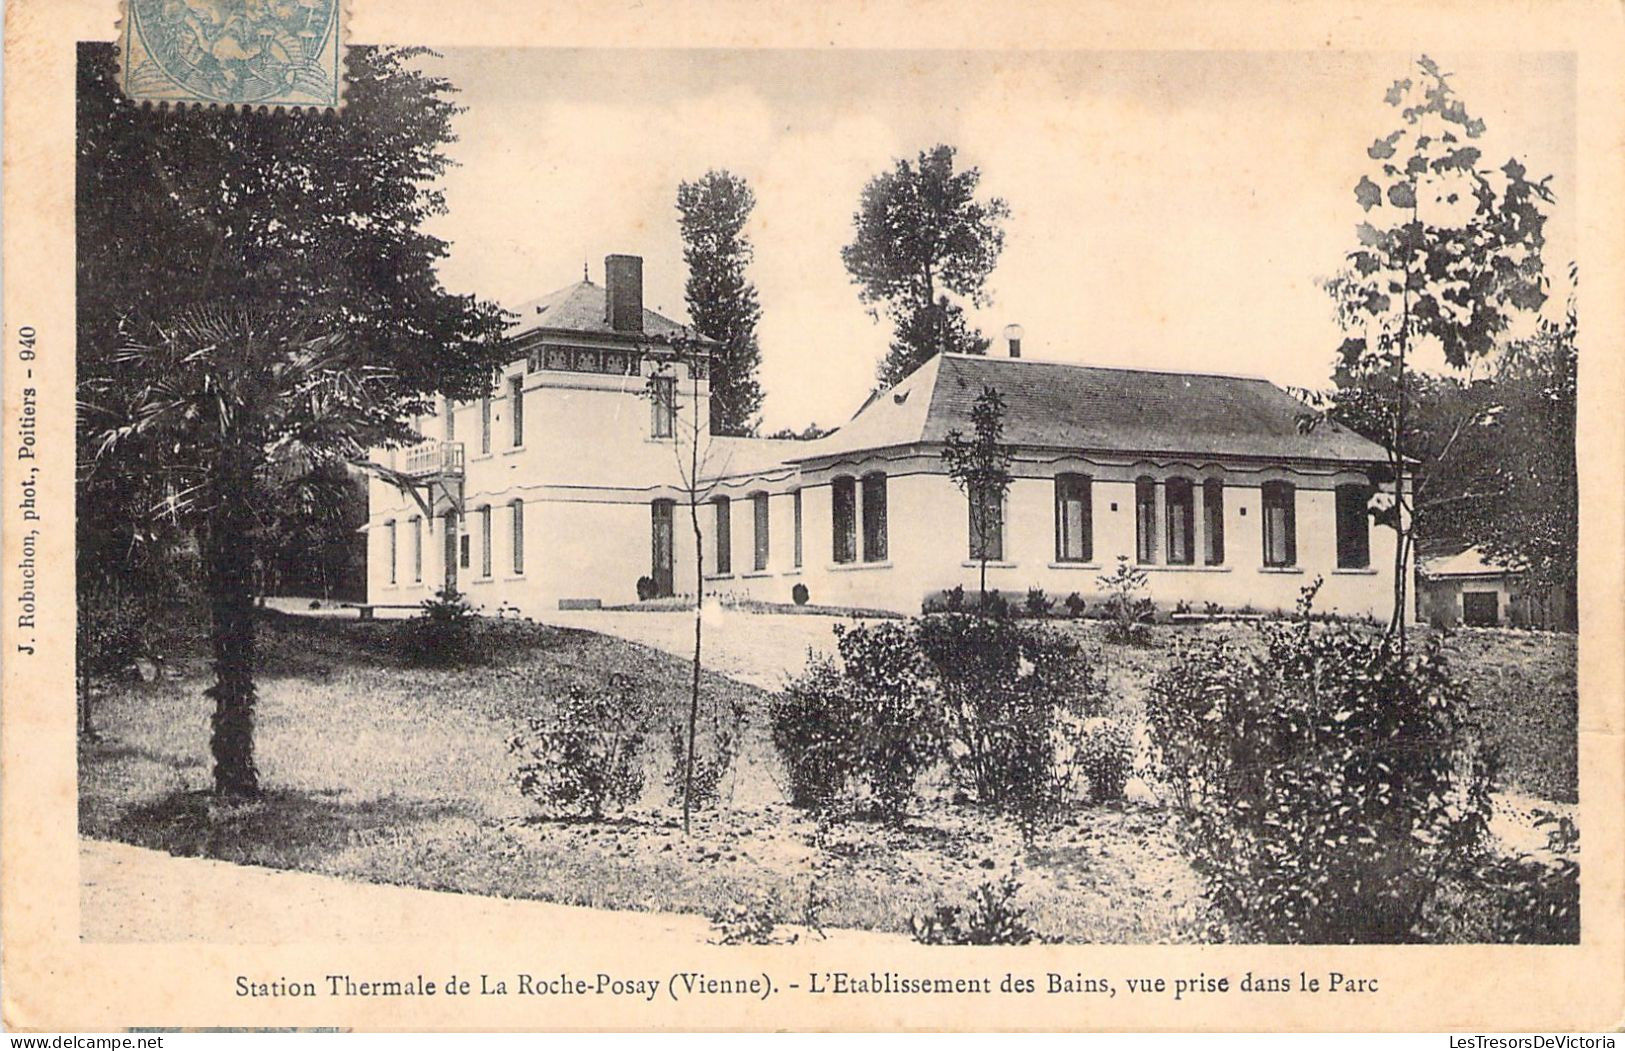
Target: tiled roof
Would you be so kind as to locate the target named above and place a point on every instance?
(1080, 407)
(582, 307)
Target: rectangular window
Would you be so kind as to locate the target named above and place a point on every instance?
(465, 553)
(485, 425)
(485, 541)
(449, 407)
(1145, 521)
(518, 509)
(724, 534)
(1213, 521)
(1181, 522)
(843, 515)
(759, 508)
(987, 524)
(796, 504)
(417, 549)
(663, 403)
(1280, 525)
(392, 550)
(874, 518)
(516, 408)
(1074, 519)
(1353, 527)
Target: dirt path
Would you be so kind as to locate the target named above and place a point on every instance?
(129, 894)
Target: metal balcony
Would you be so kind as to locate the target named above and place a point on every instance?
(429, 461)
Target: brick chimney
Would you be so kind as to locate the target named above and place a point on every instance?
(623, 276)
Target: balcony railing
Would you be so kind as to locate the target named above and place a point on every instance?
(433, 460)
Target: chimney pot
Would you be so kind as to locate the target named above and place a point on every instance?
(623, 279)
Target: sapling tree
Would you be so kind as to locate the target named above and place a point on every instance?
(694, 450)
(980, 467)
(1448, 253)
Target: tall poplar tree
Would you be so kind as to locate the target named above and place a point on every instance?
(712, 213)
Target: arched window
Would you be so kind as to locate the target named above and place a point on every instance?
(1353, 527)
(759, 516)
(1181, 500)
(1280, 524)
(661, 540)
(1074, 518)
(986, 523)
(724, 534)
(843, 501)
(1145, 520)
(874, 517)
(795, 505)
(1213, 521)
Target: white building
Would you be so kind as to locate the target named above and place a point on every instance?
(571, 478)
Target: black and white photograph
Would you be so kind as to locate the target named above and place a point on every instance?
(842, 503)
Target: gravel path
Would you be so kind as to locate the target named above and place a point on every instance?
(758, 648)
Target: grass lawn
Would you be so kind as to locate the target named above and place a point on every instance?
(387, 773)
(392, 774)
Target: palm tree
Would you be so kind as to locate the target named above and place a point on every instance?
(232, 410)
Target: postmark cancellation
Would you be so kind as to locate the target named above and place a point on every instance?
(233, 52)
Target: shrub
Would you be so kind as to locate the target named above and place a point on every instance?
(1039, 604)
(1126, 608)
(114, 628)
(991, 918)
(798, 594)
(1103, 753)
(647, 588)
(587, 754)
(443, 634)
(995, 605)
(716, 745)
(1327, 785)
(956, 598)
(1003, 689)
(1075, 605)
(871, 725)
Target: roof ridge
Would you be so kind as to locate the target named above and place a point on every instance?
(1110, 368)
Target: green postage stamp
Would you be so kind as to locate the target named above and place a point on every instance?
(233, 52)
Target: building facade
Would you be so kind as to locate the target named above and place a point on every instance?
(576, 477)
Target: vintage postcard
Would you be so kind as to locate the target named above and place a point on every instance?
(872, 516)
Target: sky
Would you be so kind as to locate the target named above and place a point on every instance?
(1174, 210)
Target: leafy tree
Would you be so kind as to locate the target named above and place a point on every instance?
(256, 301)
(712, 212)
(1535, 524)
(980, 467)
(1448, 253)
(921, 232)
